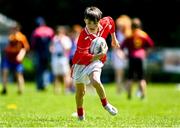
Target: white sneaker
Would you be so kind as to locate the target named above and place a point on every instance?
(74, 114)
(111, 109)
(138, 93)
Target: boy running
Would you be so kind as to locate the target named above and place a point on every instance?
(87, 67)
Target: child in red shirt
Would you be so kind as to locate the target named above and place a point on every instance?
(87, 67)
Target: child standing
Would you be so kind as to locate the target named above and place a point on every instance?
(138, 45)
(59, 48)
(87, 67)
(12, 61)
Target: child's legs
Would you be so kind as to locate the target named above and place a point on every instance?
(19, 76)
(58, 80)
(5, 68)
(96, 82)
(142, 86)
(119, 73)
(80, 92)
(129, 87)
(67, 80)
(141, 77)
(4, 78)
(20, 81)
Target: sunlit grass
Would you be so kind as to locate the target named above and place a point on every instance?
(161, 108)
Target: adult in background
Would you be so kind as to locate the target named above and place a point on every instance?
(41, 38)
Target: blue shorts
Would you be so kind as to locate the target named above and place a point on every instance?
(6, 64)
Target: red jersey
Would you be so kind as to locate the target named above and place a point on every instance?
(137, 44)
(82, 55)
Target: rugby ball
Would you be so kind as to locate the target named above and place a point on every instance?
(97, 44)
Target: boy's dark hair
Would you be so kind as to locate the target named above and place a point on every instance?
(136, 23)
(93, 14)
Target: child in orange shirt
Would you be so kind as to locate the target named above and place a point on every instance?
(12, 60)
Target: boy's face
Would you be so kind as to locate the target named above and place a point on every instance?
(92, 26)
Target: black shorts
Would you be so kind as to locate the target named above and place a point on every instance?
(136, 70)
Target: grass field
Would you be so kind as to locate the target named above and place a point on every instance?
(44, 109)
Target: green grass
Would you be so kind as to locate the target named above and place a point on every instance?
(34, 109)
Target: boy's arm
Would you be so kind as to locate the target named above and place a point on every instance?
(115, 42)
(86, 58)
(21, 55)
(149, 41)
(23, 50)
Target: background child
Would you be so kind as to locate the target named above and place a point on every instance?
(14, 55)
(59, 48)
(123, 30)
(137, 44)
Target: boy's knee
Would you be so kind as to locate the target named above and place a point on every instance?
(95, 82)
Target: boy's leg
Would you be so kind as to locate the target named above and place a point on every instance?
(95, 81)
(129, 88)
(57, 83)
(142, 87)
(80, 92)
(20, 80)
(119, 77)
(141, 77)
(4, 80)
